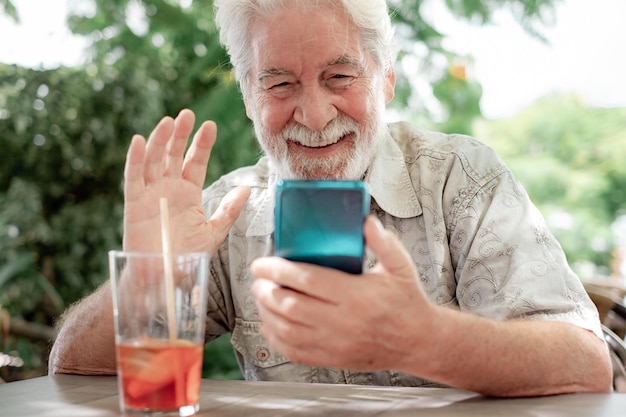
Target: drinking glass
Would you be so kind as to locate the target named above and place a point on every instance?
(159, 305)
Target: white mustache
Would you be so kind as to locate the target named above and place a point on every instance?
(331, 134)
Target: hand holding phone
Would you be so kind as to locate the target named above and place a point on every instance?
(321, 222)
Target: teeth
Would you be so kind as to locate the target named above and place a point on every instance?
(321, 142)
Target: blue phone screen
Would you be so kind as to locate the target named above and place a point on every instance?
(321, 222)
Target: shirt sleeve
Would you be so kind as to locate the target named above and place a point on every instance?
(510, 266)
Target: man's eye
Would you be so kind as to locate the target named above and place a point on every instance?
(280, 85)
(340, 80)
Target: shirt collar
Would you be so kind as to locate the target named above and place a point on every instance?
(263, 222)
(387, 180)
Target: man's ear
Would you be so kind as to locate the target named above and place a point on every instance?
(390, 85)
(246, 103)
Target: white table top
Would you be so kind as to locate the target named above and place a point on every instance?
(92, 396)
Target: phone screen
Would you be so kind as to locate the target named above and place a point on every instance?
(321, 222)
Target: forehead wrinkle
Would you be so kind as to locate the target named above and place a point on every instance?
(270, 72)
(346, 59)
(340, 60)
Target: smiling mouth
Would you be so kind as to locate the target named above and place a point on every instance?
(321, 145)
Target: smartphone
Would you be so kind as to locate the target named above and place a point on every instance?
(321, 222)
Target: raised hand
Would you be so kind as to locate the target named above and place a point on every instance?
(160, 168)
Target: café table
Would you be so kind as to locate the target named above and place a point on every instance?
(97, 396)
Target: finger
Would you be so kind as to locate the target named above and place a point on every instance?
(155, 150)
(279, 310)
(281, 306)
(197, 158)
(314, 281)
(390, 253)
(183, 125)
(134, 184)
(298, 343)
(228, 211)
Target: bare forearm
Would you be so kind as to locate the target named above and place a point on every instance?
(517, 358)
(85, 343)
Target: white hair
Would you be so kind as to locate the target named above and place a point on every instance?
(233, 18)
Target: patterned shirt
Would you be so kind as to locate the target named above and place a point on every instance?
(477, 241)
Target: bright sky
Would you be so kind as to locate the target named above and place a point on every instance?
(585, 53)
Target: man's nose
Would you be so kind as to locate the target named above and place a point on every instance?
(315, 108)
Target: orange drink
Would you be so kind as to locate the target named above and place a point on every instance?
(159, 330)
(159, 374)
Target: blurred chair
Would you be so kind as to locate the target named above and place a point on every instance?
(609, 301)
(617, 349)
(612, 314)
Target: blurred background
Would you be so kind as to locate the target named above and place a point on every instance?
(541, 81)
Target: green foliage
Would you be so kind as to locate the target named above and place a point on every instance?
(8, 8)
(569, 157)
(219, 360)
(64, 134)
(460, 98)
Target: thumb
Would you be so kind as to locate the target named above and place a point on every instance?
(392, 256)
(229, 209)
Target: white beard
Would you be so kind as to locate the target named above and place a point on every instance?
(344, 165)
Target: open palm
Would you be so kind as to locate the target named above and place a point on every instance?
(160, 168)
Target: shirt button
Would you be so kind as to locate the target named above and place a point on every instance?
(262, 354)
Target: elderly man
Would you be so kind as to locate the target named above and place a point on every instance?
(464, 284)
